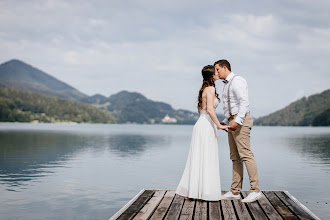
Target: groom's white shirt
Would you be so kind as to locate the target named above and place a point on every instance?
(239, 100)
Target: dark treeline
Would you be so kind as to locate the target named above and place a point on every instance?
(311, 111)
(21, 106)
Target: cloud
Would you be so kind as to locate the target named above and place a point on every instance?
(158, 48)
(315, 39)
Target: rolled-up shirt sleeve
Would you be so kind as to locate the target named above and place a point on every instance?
(225, 121)
(241, 93)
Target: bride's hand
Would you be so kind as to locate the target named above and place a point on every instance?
(222, 127)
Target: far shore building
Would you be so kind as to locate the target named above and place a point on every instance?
(168, 119)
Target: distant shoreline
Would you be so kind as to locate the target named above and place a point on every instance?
(77, 123)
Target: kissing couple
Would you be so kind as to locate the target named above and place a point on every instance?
(201, 176)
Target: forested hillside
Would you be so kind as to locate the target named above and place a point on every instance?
(311, 111)
(20, 106)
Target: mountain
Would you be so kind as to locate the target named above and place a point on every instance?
(95, 99)
(310, 111)
(322, 119)
(132, 107)
(21, 106)
(126, 107)
(19, 75)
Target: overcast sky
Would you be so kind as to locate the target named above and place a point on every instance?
(158, 48)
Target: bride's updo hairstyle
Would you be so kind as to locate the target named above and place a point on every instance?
(207, 73)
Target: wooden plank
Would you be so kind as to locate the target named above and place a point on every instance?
(214, 210)
(255, 208)
(128, 204)
(159, 192)
(187, 212)
(241, 210)
(132, 210)
(301, 205)
(293, 206)
(175, 208)
(163, 206)
(279, 206)
(150, 206)
(268, 208)
(201, 210)
(228, 210)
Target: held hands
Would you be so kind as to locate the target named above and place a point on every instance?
(222, 126)
(233, 126)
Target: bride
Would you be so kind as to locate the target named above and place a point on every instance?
(201, 176)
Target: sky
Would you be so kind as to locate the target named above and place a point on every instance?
(158, 48)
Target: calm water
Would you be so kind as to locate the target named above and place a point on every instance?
(58, 171)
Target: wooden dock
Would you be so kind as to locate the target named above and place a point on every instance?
(165, 204)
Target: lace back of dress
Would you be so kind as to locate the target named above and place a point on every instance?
(215, 105)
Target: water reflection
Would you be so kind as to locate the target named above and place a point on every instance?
(127, 145)
(316, 146)
(69, 171)
(28, 155)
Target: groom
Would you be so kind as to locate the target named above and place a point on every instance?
(237, 116)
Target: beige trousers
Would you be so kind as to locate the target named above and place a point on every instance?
(240, 151)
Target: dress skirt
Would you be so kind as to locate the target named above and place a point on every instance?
(201, 176)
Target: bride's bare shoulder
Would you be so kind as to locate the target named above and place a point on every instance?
(209, 89)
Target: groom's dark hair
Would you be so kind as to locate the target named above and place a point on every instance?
(223, 63)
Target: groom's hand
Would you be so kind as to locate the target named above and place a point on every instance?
(233, 126)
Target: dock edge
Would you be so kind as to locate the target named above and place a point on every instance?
(128, 204)
(301, 205)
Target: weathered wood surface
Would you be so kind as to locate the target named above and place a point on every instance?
(165, 204)
(201, 210)
(214, 210)
(187, 210)
(280, 207)
(137, 205)
(150, 206)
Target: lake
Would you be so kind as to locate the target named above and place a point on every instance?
(89, 171)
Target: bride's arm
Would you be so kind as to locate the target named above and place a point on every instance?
(210, 95)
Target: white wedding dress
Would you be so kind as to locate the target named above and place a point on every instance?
(201, 176)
